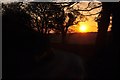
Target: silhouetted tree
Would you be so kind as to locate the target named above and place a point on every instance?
(103, 24)
(52, 16)
(116, 37)
(116, 22)
(14, 24)
(72, 18)
(107, 54)
(15, 7)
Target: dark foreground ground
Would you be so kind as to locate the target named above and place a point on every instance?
(96, 69)
(85, 51)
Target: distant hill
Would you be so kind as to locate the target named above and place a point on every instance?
(82, 38)
(77, 38)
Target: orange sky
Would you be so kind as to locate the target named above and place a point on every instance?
(90, 25)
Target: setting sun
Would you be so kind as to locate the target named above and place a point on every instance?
(83, 28)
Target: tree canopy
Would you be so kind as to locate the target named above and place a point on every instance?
(55, 16)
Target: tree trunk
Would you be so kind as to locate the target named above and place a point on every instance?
(103, 25)
(104, 52)
(64, 36)
(116, 37)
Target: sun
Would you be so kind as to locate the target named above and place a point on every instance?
(83, 28)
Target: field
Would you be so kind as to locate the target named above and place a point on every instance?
(76, 38)
(82, 44)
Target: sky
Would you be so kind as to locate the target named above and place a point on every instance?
(62, 0)
(90, 25)
(36, 0)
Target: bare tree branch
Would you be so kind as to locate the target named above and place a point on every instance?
(89, 9)
(88, 5)
(92, 14)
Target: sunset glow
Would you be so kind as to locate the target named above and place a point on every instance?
(88, 26)
(83, 28)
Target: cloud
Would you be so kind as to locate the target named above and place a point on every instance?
(6, 1)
